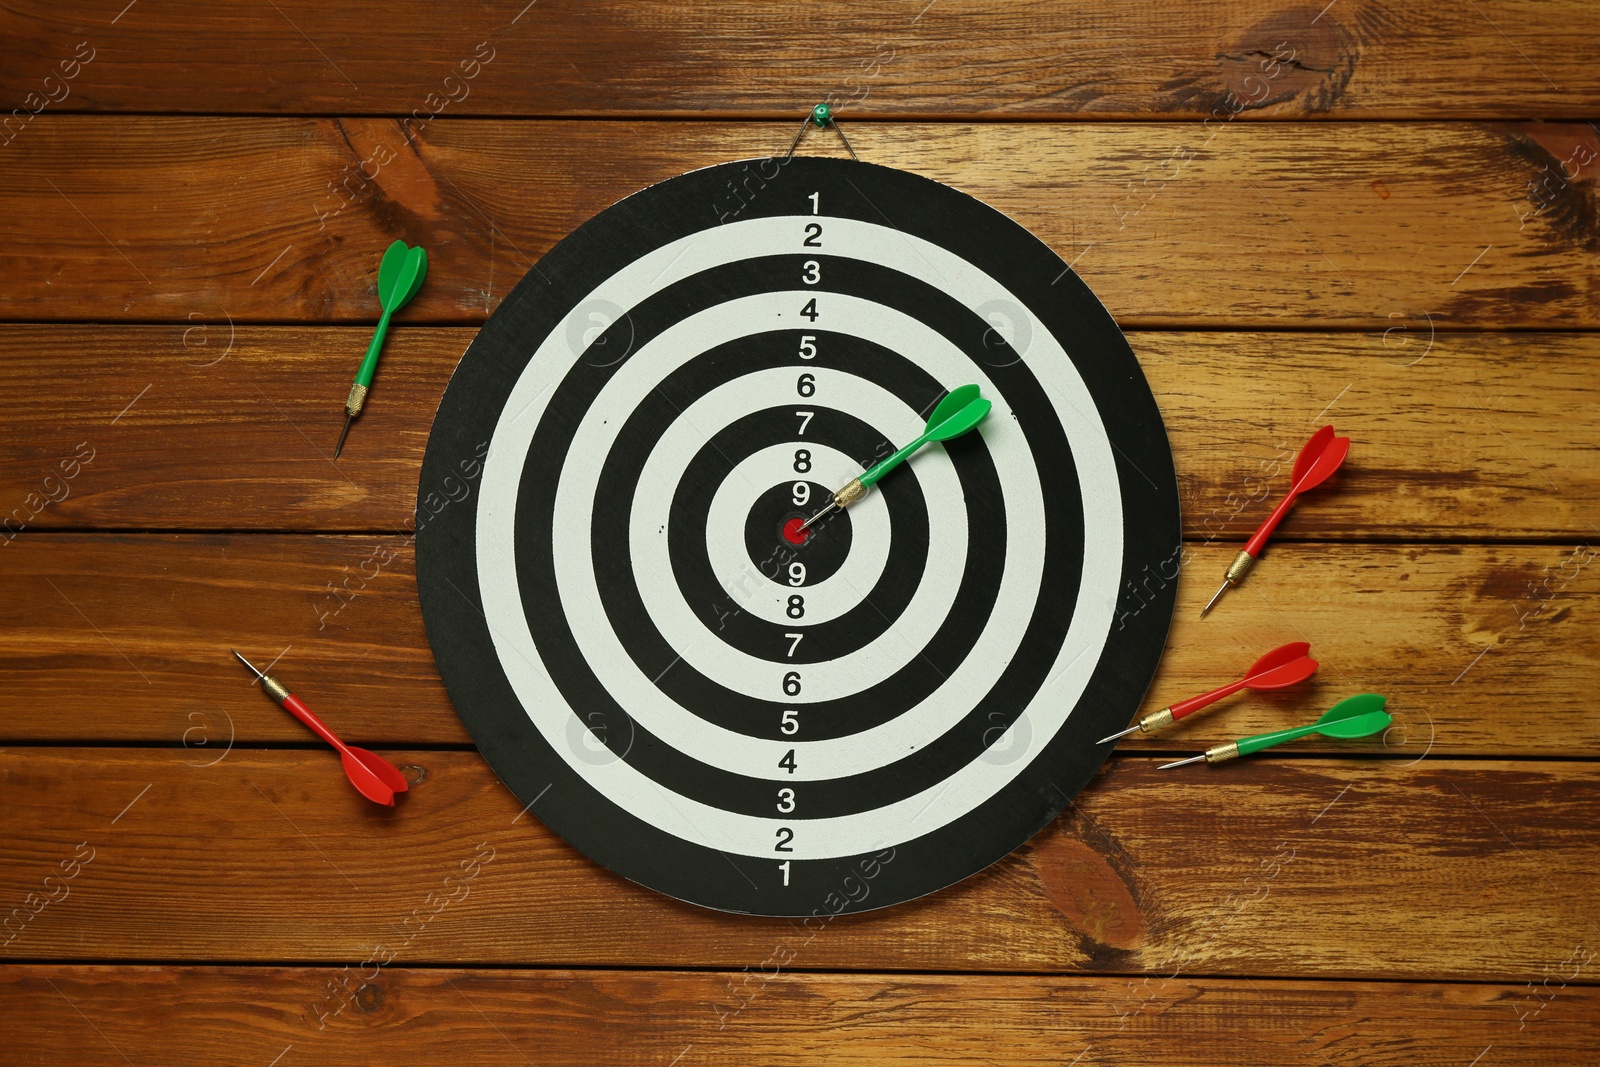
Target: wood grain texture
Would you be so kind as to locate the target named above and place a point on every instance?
(270, 856)
(208, 1015)
(1457, 436)
(1356, 225)
(1361, 58)
(1481, 650)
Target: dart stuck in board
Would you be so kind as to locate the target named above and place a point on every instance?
(1318, 459)
(960, 411)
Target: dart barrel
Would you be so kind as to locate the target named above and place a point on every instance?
(852, 492)
(1226, 751)
(1157, 720)
(1239, 567)
(357, 398)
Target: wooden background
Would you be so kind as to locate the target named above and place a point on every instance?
(1378, 216)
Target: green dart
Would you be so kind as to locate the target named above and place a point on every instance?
(1359, 716)
(958, 412)
(399, 277)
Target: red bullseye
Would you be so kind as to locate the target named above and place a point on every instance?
(791, 532)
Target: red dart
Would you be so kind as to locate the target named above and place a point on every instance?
(1278, 669)
(1320, 457)
(373, 776)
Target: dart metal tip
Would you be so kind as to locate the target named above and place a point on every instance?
(1216, 597)
(246, 662)
(342, 435)
(1113, 737)
(1181, 762)
(804, 526)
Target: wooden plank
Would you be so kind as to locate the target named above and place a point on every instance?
(965, 58)
(1268, 868)
(208, 1015)
(1363, 225)
(1481, 650)
(205, 427)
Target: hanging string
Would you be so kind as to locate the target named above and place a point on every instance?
(821, 117)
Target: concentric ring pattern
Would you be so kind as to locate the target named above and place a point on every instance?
(714, 711)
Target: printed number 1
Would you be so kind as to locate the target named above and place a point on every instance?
(816, 209)
(784, 867)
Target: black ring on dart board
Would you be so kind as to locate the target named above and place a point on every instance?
(725, 448)
(695, 573)
(654, 654)
(853, 713)
(668, 766)
(658, 657)
(450, 507)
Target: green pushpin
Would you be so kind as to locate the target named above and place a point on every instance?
(399, 277)
(958, 412)
(1358, 716)
(820, 116)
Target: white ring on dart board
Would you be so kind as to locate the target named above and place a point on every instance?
(742, 579)
(826, 680)
(861, 667)
(757, 677)
(846, 393)
(860, 832)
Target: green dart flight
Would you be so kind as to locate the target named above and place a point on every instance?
(399, 277)
(958, 412)
(1358, 716)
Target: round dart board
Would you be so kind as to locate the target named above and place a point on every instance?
(630, 628)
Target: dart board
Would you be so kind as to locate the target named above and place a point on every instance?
(626, 621)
